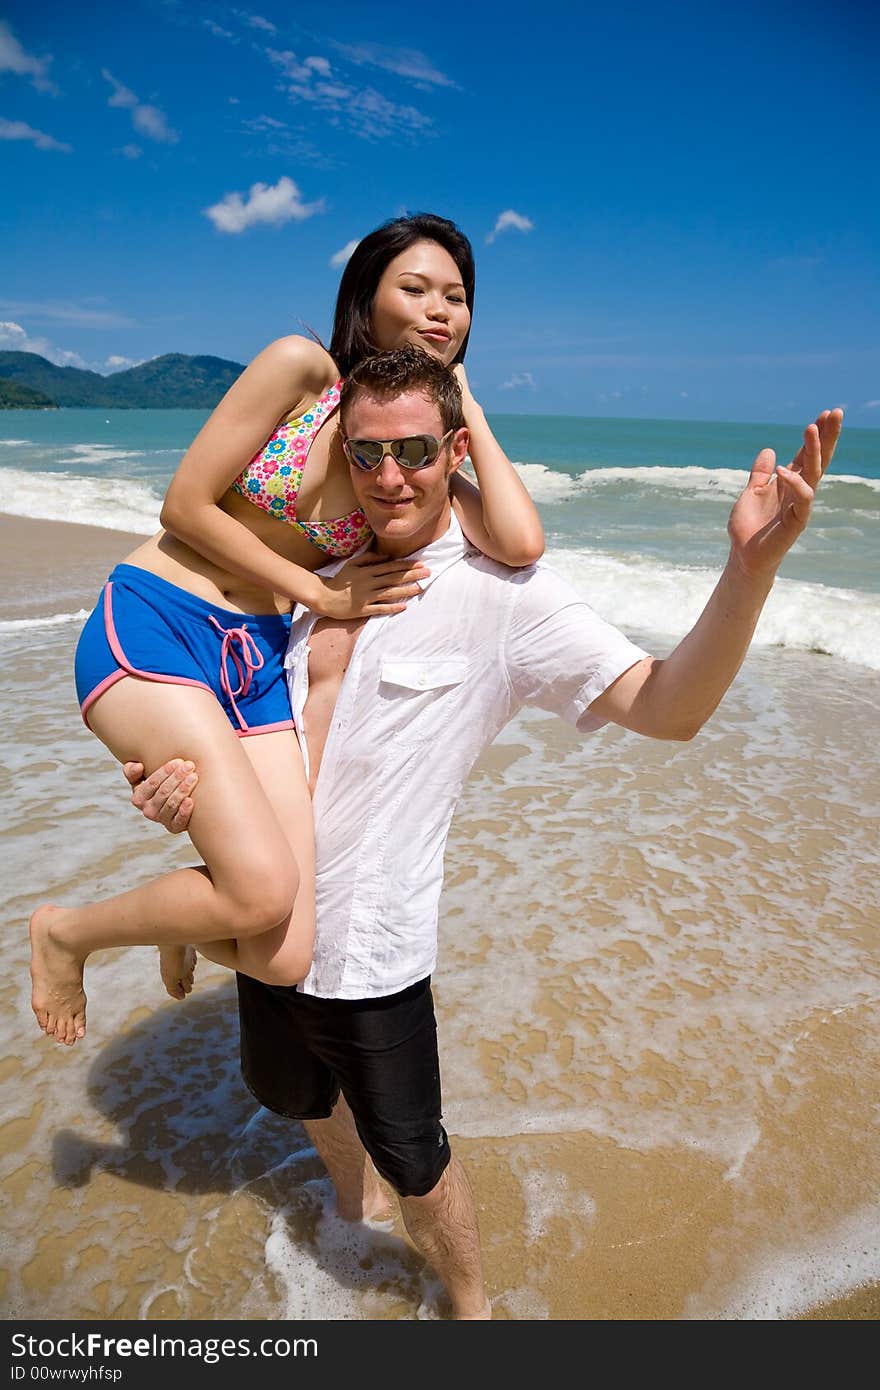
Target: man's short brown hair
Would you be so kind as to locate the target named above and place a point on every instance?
(403, 369)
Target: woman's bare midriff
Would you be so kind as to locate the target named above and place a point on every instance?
(325, 494)
(175, 561)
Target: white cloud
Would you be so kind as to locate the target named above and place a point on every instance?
(264, 204)
(871, 405)
(14, 338)
(122, 96)
(510, 219)
(519, 379)
(217, 31)
(683, 394)
(131, 151)
(262, 123)
(291, 66)
(365, 111)
(403, 62)
(148, 120)
(152, 122)
(13, 58)
(341, 257)
(120, 364)
(256, 21)
(64, 311)
(17, 130)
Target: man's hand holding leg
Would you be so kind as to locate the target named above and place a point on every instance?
(166, 795)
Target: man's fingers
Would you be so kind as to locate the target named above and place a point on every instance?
(826, 429)
(180, 820)
(762, 468)
(809, 458)
(145, 787)
(160, 795)
(798, 492)
(829, 425)
(170, 796)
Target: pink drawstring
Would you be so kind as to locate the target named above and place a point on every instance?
(246, 660)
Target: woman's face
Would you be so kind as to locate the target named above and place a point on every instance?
(420, 299)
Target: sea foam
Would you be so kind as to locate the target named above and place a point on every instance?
(12, 625)
(644, 596)
(104, 502)
(547, 485)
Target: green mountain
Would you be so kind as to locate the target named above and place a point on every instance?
(171, 381)
(15, 397)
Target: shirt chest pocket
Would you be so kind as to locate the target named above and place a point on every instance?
(422, 677)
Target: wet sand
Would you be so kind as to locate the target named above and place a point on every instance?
(657, 996)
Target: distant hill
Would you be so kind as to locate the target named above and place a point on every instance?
(15, 397)
(168, 382)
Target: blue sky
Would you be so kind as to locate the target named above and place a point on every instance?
(674, 209)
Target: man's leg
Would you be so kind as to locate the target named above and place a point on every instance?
(385, 1057)
(359, 1196)
(443, 1227)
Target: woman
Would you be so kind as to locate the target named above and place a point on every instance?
(184, 651)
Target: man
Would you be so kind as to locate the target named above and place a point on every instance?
(393, 712)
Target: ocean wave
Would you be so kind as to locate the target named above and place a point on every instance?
(642, 595)
(105, 502)
(548, 485)
(88, 455)
(10, 625)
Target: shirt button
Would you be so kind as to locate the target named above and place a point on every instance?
(423, 680)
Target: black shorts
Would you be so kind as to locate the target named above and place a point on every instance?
(298, 1052)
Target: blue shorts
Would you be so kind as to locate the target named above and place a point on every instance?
(145, 627)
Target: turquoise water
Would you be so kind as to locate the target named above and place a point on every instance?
(634, 511)
(565, 443)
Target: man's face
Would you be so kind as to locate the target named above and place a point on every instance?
(407, 508)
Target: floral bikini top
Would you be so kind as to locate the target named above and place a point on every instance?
(273, 478)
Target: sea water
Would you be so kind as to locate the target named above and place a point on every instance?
(658, 981)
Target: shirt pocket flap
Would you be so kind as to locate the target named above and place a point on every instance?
(424, 675)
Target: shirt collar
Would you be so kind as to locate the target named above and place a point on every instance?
(439, 556)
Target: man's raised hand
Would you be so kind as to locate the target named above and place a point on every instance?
(775, 507)
(166, 795)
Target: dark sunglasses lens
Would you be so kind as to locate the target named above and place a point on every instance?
(417, 451)
(365, 453)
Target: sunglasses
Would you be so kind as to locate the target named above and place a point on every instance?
(413, 451)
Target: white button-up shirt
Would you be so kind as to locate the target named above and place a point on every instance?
(425, 691)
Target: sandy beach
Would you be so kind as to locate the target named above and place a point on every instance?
(658, 998)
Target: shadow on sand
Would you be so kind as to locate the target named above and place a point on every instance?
(187, 1124)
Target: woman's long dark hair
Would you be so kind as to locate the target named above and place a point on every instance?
(351, 341)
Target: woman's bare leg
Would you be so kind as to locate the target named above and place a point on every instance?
(247, 886)
(274, 956)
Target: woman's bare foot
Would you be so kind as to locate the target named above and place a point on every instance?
(177, 966)
(57, 998)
